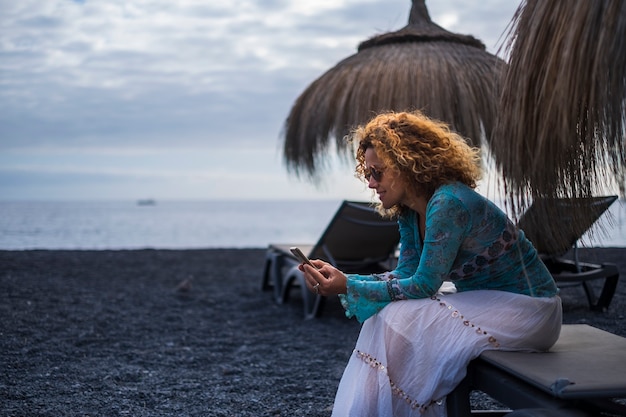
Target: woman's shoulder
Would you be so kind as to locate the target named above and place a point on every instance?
(456, 191)
(459, 196)
(455, 188)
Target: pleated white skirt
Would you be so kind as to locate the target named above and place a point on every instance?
(413, 353)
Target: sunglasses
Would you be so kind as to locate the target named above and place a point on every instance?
(372, 172)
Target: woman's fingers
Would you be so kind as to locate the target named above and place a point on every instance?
(318, 264)
(325, 279)
(313, 278)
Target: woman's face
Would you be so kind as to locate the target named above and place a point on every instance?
(389, 187)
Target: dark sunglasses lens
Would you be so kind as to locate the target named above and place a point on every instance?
(373, 173)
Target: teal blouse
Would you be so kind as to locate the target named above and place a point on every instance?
(468, 240)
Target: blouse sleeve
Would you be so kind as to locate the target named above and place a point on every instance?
(419, 273)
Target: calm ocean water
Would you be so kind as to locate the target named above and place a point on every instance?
(190, 225)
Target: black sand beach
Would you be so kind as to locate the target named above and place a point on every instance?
(113, 333)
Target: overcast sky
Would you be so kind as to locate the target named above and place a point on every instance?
(181, 99)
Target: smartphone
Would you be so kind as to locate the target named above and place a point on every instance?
(301, 256)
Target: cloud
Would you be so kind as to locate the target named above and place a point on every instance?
(79, 70)
(181, 75)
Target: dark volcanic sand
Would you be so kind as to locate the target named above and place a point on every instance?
(110, 333)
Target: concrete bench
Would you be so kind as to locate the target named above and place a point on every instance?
(582, 374)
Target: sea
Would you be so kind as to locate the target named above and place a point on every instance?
(149, 224)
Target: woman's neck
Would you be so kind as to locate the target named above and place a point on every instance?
(417, 204)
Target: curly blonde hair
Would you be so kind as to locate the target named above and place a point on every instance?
(422, 151)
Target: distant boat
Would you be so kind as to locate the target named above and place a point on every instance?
(146, 202)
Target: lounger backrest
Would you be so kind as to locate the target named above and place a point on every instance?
(357, 235)
(570, 218)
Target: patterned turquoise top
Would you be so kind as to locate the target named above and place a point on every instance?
(468, 241)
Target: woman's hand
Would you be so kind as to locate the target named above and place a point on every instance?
(325, 280)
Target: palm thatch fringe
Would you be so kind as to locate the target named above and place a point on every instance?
(449, 77)
(562, 126)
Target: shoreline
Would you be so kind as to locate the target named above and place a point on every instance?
(159, 332)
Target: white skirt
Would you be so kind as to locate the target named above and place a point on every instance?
(413, 353)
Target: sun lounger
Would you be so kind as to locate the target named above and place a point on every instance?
(356, 240)
(584, 373)
(570, 220)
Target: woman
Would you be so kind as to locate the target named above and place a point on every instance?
(416, 341)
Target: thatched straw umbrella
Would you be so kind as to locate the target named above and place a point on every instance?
(561, 130)
(422, 66)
